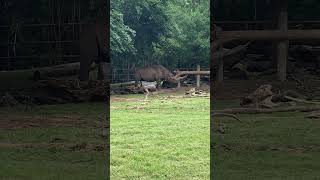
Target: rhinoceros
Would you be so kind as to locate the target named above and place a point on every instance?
(156, 73)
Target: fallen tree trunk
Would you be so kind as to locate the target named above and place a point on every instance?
(226, 53)
(182, 73)
(115, 85)
(227, 115)
(129, 88)
(230, 52)
(261, 110)
(58, 71)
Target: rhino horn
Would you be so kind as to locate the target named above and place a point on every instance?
(179, 76)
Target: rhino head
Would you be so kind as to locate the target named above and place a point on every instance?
(174, 78)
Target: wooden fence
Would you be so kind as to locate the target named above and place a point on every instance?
(120, 75)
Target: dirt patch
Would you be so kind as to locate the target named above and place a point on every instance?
(119, 99)
(13, 121)
(80, 147)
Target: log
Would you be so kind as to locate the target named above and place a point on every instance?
(58, 71)
(181, 73)
(261, 110)
(118, 85)
(314, 115)
(301, 100)
(225, 53)
(229, 52)
(227, 115)
(130, 83)
(225, 57)
(129, 88)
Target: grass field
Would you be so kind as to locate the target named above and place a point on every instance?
(168, 139)
(164, 138)
(52, 142)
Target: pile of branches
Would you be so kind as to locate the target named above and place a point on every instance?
(242, 62)
(193, 92)
(264, 100)
(264, 97)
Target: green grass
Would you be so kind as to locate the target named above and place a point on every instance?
(268, 146)
(32, 154)
(163, 138)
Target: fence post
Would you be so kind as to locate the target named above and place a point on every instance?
(198, 76)
(128, 73)
(114, 75)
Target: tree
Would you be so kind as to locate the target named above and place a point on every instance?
(174, 33)
(187, 40)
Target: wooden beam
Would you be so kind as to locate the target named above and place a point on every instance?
(198, 76)
(281, 47)
(267, 35)
(182, 73)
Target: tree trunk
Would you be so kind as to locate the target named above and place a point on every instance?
(88, 50)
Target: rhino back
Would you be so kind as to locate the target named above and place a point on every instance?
(163, 71)
(146, 74)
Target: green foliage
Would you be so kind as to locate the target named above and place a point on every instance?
(149, 20)
(121, 35)
(173, 33)
(187, 41)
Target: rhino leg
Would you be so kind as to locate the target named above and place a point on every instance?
(158, 84)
